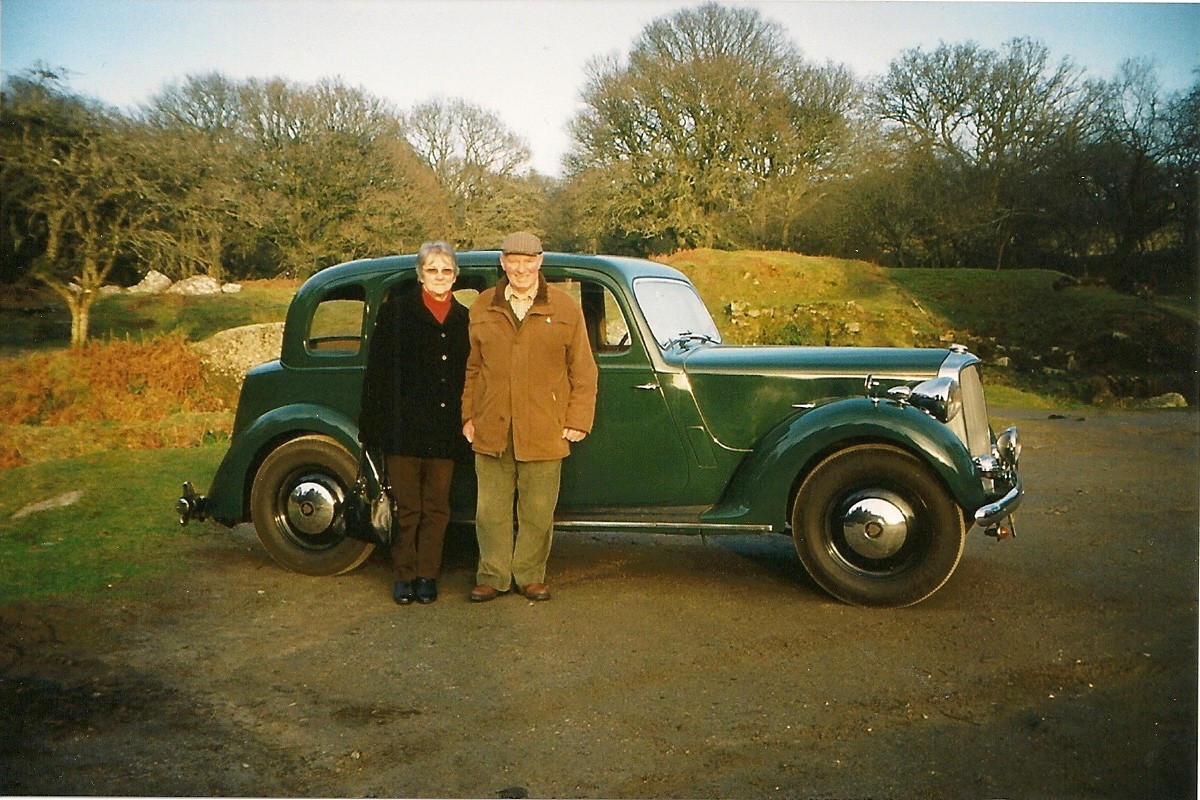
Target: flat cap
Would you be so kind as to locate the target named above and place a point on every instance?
(521, 243)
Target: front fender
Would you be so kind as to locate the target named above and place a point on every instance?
(228, 500)
(761, 489)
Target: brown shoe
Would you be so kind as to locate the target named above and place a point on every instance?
(482, 593)
(536, 591)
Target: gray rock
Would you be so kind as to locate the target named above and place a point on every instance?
(154, 283)
(1168, 400)
(62, 500)
(196, 285)
(234, 351)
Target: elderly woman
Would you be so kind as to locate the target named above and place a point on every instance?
(412, 396)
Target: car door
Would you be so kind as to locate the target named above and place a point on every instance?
(634, 455)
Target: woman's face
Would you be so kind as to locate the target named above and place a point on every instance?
(437, 275)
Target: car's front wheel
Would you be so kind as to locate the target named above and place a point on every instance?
(874, 526)
(296, 504)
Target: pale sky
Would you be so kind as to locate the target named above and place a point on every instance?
(525, 60)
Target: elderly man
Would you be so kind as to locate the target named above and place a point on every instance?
(530, 391)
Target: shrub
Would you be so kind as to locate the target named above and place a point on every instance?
(118, 380)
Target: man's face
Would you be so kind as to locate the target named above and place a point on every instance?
(522, 271)
(437, 275)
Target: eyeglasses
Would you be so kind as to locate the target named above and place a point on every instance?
(443, 271)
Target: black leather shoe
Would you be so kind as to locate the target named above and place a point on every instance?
(425, 590)
(403, 592)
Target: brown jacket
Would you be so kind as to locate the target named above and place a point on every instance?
(539, 376)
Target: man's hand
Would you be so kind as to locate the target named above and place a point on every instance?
(573, 435)
(469, 431)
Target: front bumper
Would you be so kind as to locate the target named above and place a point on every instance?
(992, 513)
(1001, 467)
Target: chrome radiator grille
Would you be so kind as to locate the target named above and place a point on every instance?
(972, 424)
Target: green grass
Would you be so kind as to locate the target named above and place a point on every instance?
(37, 319)
(1001, 395)
(197, 317)
(119, 536)
(760, 298)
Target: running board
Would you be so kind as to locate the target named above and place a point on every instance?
(665, 525)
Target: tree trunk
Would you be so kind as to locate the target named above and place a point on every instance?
(81, 316)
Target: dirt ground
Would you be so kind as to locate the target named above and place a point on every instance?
(1062, 664)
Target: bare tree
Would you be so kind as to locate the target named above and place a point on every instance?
(714, 120)
(477, 160)
(1133, 146)
(88, 189)
(994, 118)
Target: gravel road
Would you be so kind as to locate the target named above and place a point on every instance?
(1062, 664)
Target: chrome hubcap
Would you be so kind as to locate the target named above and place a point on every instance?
(313, 503)
(876, 527)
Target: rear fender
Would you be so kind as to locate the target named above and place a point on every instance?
(228, 500)
(762, 488)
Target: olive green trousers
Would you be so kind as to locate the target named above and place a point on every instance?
(504, 557)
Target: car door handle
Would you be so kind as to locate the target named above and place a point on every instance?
(647, 386)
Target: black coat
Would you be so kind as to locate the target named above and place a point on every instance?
(412, 391)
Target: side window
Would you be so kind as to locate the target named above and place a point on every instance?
(606, 326)
(336, 325)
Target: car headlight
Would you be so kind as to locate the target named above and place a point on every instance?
(941, 398)
(1008, 446)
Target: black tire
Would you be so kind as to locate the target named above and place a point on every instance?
(296, 505)
(874, 526)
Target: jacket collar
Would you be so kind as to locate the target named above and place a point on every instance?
(541, 298)
(416, 306)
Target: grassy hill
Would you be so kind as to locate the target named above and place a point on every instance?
(1086, 343)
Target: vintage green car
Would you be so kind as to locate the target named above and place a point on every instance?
(875, 460)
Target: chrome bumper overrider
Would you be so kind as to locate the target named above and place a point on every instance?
(1001, 466)
(992, 513)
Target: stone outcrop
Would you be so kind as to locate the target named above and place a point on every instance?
(157, 283)
(234, 351)
(154, 283)
(196, 285)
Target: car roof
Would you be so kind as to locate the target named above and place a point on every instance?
(621, 267)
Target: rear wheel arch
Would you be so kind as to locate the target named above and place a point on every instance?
(276, 428)
(296, 502)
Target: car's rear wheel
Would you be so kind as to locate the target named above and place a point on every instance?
(296, 505)
(874, 526)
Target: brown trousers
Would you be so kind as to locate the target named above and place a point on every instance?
(421, 487)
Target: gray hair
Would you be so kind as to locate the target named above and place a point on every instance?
(437, 248)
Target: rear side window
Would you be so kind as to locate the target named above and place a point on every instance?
(337, 323)
(606, 327)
